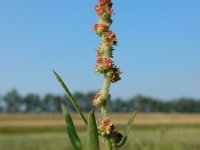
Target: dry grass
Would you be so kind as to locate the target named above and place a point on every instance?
(34, 120)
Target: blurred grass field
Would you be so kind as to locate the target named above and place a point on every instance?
(150, 132)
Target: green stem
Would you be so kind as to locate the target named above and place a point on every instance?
(104, 111)
(106, 86)
(105, 93)
(108, 145)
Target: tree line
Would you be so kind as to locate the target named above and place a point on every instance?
(13, 102)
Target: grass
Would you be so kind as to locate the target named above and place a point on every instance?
(151, 132)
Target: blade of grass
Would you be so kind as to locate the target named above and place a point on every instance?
(127, 129)
(93, 140)
(72, 134)
(70, 96)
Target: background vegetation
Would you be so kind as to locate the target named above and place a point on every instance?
(32, 122)
(152, 131)
(14, 102)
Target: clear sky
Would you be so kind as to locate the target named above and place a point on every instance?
(158, 50)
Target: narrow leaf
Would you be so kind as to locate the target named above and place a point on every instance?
(72, 134)
(93, 141)
(127, 129)
(72, 99)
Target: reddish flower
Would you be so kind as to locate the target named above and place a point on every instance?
(99, 61)
(105, 2)
(111, 38)
(97, 101)
(106, 62)
(95, 27)
(103, 7)
(100, 28)
(109, 11)
(103, 27)
(106, 127)
(103, 65)
(99, 10)
(111, 35)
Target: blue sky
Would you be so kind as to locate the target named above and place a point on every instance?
(158, 50)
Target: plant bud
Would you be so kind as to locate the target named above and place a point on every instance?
(115, 75)
(98, 100)
(116, 137)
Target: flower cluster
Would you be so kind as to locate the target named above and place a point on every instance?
(97, 101)
(104, 63)
(104, 7)
(110, 39)
(104, 10)
(100, 28)
(106, 128)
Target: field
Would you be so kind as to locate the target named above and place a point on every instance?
(150, 132)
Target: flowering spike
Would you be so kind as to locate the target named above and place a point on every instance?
(106, 66)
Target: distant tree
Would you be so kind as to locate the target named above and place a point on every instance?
(142, 103)
(186, 105)
(52, 103)
(84, 100)
(1, 101)
(13, 100)
(58, 99)
(119, 105)
(47, 102)
(32, 103)
(3, 105)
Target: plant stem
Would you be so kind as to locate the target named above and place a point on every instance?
(105, 93)
(108, 145)
(104, 111)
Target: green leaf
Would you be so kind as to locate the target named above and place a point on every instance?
(127, 129)
(93, 140)
(72, 134)
(70, 96)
